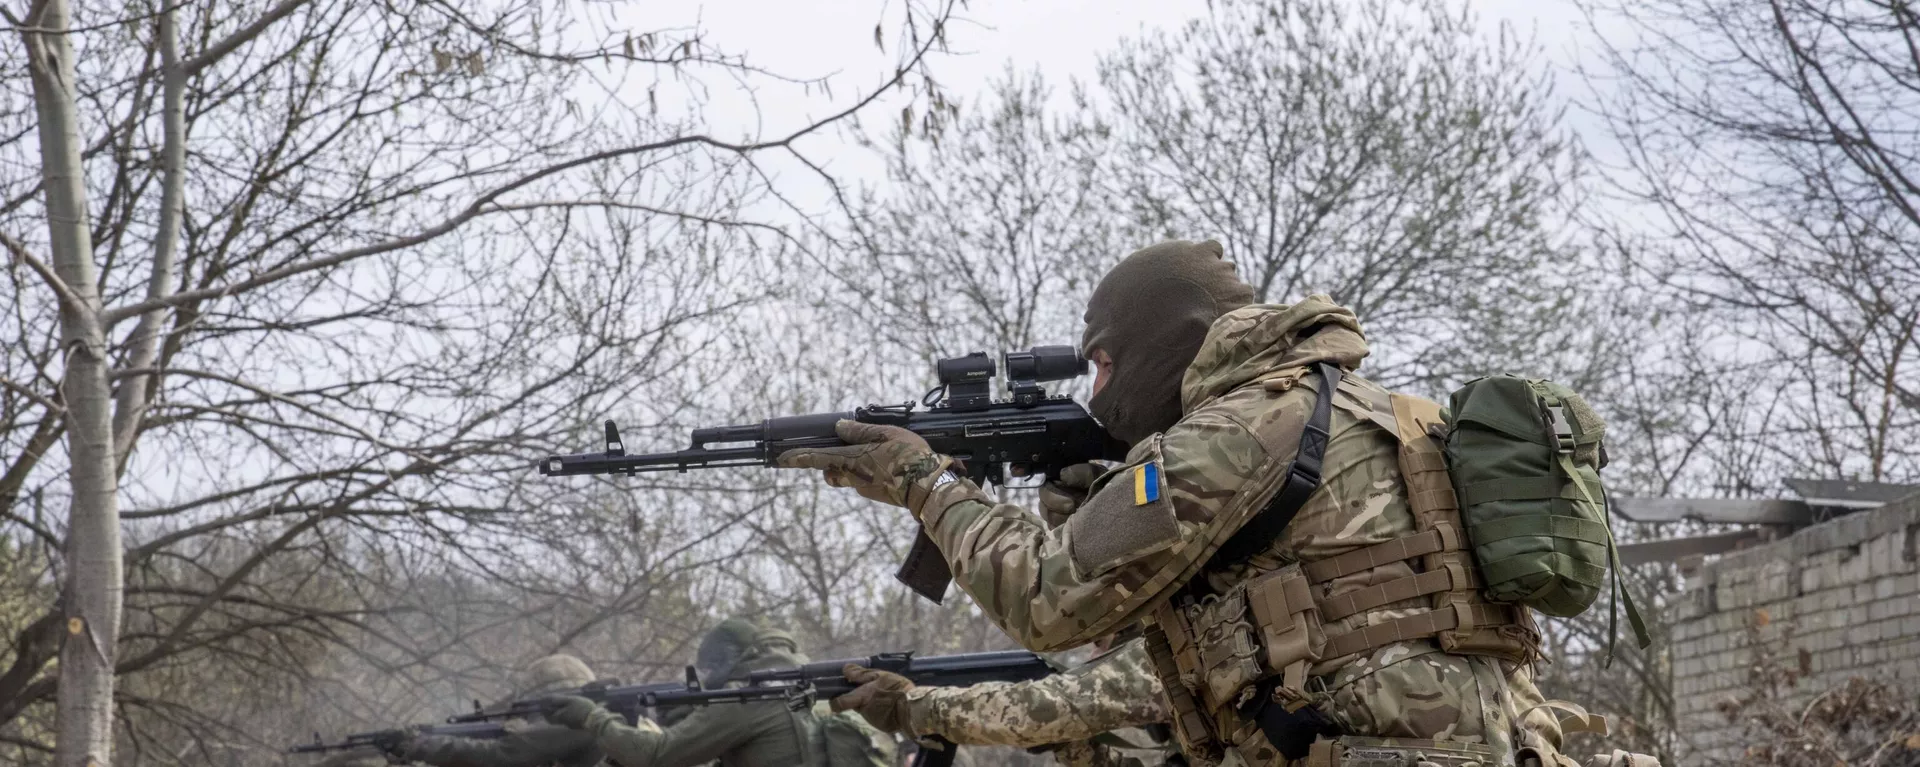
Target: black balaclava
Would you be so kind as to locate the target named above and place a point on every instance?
(1150, 314)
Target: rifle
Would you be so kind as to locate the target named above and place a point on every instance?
(826, 679)
(1029, 433)
(478, 730)
(799, 686)
(479, 724)
(620, 699)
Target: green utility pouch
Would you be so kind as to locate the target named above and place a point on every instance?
(1525, 456)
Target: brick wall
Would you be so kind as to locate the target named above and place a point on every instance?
(1841, 599)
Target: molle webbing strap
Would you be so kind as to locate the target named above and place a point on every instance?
(1190, 725)
(1303, 478)
(1460, 621)
(1423, 466)
(1362, 560)
(1396, 590)
(1421, 626)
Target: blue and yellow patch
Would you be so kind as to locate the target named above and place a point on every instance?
(1146, 483)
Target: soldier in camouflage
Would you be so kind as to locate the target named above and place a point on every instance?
(529, 742)
(1087, 716)
(1095, 715)
(1214, 393)
(759, 734)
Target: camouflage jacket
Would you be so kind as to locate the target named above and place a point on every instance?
(1065, 711)
(1149, 527)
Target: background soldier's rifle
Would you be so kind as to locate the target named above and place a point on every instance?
(477, 730)
(799, 686)
(1029, 433)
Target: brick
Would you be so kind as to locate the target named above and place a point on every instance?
(1880, 556)
(1886, 588)
(1854, 568)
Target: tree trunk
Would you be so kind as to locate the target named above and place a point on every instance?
(90, 595)
(131, 402)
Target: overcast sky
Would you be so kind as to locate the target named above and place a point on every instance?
(1062, 39)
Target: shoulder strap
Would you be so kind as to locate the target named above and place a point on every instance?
(1303, 477)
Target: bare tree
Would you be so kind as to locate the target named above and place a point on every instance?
(1768, 160)
(314, 279)
(989, 232)
(1377, 151)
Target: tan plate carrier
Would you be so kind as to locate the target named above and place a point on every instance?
(1215, 652)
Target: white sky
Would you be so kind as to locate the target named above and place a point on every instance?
(1062, 39)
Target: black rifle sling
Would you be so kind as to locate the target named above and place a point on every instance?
(1303, 477)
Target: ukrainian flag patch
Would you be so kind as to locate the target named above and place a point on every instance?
(1146, 483)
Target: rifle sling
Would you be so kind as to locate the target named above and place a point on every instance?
(1303, 477)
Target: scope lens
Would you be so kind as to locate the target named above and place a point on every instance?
(1045, 363)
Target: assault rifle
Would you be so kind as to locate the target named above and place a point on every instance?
(620, 699)
(1029, 433)
(797, 686)
(800, 686)
(477, 730)
(478, 725)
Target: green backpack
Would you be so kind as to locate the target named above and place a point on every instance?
(1525, 456)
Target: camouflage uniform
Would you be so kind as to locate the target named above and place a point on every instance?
(1246, 397)
(1113, 692)
(529, 742)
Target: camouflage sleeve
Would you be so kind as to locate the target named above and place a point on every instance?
(1141, 532)
(535, 746)
(1113, 692)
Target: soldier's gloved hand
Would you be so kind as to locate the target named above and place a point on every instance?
(568, 710)
(394, 743)
(879, 461)
(881, 697)
(1062, 495)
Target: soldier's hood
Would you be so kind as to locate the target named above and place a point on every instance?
(1263, 341)
(772, 658)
